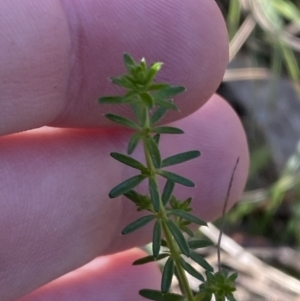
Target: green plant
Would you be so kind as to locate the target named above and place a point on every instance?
(150, 101)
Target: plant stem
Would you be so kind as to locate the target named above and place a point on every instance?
(175, 253)
(174, 249)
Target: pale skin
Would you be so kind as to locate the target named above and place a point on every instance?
(56, 220)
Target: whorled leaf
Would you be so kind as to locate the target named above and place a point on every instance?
(133, 142)
(166, 104)
(167, 192)
(159, 296)
(129, 161)
(126, 186)
(201, 261)
(139, 223)
(167, 275)
(152, 71)
(169, 92)
(192, 271)
(176, 178)
(154, 151)
(123, 121)
(150, 258)
(178, 236)
(180, 158)
(187, 216)
(156, 241)
(158, 115)
(129, 62)
(166, 130)
(154, 194)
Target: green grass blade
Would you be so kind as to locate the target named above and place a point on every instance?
(126, 186)
(180, 158)
(141, 222)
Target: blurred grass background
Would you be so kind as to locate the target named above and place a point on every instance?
(265, 54)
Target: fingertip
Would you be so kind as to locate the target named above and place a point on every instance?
(110, 277)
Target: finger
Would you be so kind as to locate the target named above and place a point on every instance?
(105, 278)
(55, 214)
(58, 79)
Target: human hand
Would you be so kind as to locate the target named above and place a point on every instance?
(55, 214)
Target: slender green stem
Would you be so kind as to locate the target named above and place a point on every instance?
(175, 253)
(174, 249)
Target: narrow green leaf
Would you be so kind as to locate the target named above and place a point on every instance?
(158, 114)
(156, 243)
(150, 258)
(147, 100)
(112, 99)
(126, 186)
(156, 87)
(167, 130)
(122, 120)
(167, 275)
(187, 216)
(176, 178)
(134, 196)
(140, 111)
(138, 224)
(154, 151)
(233, 277)
(129, 62)
(169, 92)
(168, 190)
(201, 243)
(191, 270)
(153, 70)
(133, 142)
(187, 230)
(156, 138)
(178, 236)
(159, 296)
(154, 193)
(180, 158)
(166, 104)
(201, 261)
(123, 81)
(129, 161)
